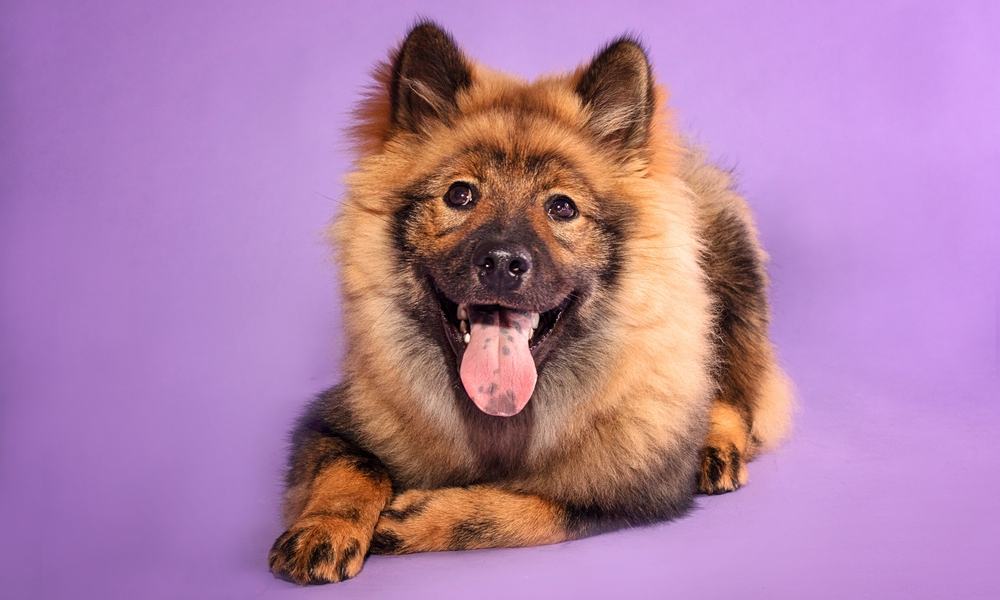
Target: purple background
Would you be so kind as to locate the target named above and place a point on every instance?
(168, 305)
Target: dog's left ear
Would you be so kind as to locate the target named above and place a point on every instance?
(428, 72)
(617, 89)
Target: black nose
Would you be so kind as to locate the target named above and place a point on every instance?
(501, 266)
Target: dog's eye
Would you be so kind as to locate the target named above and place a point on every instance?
(561, 208)
(461, 195)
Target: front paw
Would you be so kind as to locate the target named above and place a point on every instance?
(723, 469)
(320, 549)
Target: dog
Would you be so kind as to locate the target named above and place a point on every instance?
(555, 312)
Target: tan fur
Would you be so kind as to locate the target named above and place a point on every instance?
(772, 421)
(329, 538)
(726, 427)
(727, 448)
(677, 355)
(516, 520)
(657, 309)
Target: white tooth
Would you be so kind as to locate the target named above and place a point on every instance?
(531, 333)
(463, 312)
(463, 326)
(534, 320)
(467, 338)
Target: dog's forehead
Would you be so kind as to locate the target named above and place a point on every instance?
(515, 166)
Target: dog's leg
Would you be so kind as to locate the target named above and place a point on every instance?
(752, 409)
(335, 494)
(738, 431)
(726, 452)
(478, 516)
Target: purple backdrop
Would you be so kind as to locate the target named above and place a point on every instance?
(167, 304)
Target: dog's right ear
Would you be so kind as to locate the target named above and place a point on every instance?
(428, 72)
(617, 89)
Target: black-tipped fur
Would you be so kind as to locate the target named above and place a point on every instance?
(618, 89)
(427, 73)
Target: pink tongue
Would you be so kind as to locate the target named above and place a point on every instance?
(497, 369)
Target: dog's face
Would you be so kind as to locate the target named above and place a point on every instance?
(510, 233)
(507, 243)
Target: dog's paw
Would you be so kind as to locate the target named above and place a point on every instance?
(320, 549)
(722, 470)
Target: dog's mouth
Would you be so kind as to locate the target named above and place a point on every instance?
(499, 349)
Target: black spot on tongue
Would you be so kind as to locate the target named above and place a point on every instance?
(498, 371)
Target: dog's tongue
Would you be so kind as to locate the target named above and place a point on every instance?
(497, 369)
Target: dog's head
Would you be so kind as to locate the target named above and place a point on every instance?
(507, 203)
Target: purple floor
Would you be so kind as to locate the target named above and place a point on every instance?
(167, 306)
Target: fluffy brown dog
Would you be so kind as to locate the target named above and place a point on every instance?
(556, 319)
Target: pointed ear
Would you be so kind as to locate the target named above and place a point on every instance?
(617, 88)
(428, 71)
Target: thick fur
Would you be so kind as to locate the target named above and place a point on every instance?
(661, 380)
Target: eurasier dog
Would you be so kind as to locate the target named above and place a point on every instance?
(556, 319)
